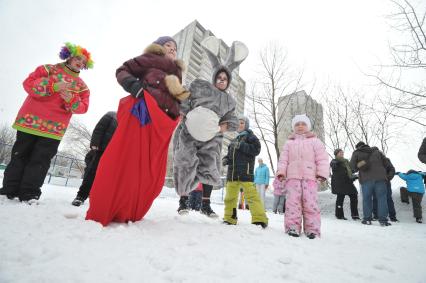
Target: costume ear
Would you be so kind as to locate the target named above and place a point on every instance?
(211, 46)
(237, 54)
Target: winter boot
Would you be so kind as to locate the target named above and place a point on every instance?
(8, 195)
(419, 220)
(262, 224)
(183, 205)
(311, 236)
(78, 201)
(293, 233)
(207, 210)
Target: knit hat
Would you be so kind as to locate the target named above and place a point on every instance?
(301, 118)
(336, 151)
(246, 120)
(360, 144)
(163, 39)
(71, 50)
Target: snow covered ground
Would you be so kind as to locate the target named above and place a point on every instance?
(39, 243)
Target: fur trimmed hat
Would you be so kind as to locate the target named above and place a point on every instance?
(301, 118)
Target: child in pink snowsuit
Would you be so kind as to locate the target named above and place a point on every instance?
(303, 163)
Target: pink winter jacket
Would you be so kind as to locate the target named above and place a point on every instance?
(303, 157)
(278, 187)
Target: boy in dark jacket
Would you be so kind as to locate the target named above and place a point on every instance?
(101, 136)
(416, 190)
(240, 159)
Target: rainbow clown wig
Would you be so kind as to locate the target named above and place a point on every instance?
(72, 50)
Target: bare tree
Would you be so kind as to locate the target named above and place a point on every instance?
(405, 75)
(352, 117)
(77, 142)
(266, 105)
(7, 139)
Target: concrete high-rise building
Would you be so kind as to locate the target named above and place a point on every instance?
(299, 103)
(198, 67)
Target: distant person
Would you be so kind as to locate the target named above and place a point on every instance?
(55, 93)
(390, 172)
(261, 179)
(302, 174)
(342, 185)
(279, 196)
(416, 190)
(196, 198)
(371, 164)
(101, 136)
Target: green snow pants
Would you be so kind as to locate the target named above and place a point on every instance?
(257, 210)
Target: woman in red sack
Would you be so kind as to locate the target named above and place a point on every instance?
(131, 172)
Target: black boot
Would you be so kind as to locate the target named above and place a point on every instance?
(292, 233)
(419, 220)
(311, 236)
(261, 224)
(78, 201)
(206, 209)
(183, 205)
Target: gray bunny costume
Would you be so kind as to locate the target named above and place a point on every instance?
(197, 142)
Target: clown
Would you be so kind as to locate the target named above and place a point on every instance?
(55, 93)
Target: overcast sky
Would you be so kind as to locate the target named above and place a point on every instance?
(331, 39)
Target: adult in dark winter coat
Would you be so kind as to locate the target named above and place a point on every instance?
(371, 165)
(422, 152)
(101, 137)
(342, 185)
(390, 172)
(132, 170)
(240, 159)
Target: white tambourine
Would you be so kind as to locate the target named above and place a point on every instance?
(202, 123)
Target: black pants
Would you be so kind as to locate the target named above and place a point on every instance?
(89, 175)
(416, 198)
(207, 190)
(28, 166)
(354, 205)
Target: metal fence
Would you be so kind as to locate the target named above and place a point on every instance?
(68, 171)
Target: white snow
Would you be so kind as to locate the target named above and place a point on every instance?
(51, 242)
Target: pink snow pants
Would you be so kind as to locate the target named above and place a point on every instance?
(302, 200)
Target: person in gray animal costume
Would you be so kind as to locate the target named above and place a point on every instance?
(207, 114)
